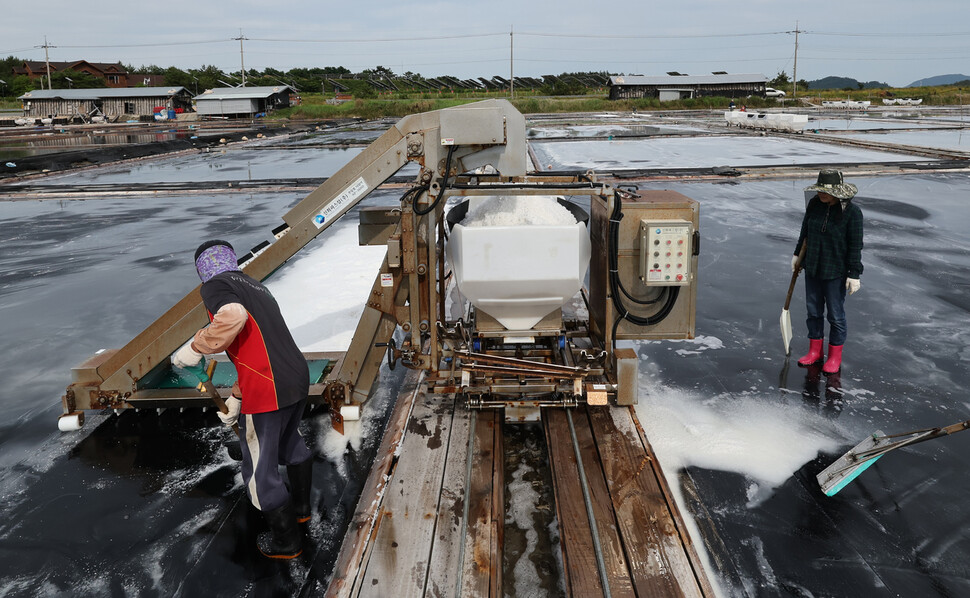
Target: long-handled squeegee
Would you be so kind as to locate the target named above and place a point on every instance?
(851, 465)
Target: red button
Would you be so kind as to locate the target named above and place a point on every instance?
(680, 277)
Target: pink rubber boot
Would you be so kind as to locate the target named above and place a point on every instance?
(814, 354)
(834, 362)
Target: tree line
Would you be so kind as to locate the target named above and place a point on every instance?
(366, 83)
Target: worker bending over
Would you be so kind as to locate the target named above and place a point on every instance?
(267, 400)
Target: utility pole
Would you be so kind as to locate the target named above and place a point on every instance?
(511, 64)
(794, 76)
(47, 60)
(242, 65)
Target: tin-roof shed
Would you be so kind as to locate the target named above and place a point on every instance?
(237, 101)
(107, 101)
(724, 84)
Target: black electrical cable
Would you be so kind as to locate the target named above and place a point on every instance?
(669, 293)
(414, 190)
(441, 193)
(614, 243)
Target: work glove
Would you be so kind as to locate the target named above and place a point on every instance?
(186, 357)
(794, 263)
(852, 285)
(235, 406)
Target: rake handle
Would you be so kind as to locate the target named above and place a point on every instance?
(209, 387)
(794, 276)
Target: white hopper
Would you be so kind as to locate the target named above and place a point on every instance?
(518, 272)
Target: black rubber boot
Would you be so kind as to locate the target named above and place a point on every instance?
(283, 540)
(300, 481)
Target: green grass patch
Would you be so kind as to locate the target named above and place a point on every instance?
(315, 107)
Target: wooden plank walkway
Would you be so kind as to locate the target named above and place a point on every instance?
(431, 520)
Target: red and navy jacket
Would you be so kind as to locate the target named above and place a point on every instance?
(272, 370)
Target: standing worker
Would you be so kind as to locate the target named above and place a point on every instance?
(832, 237)
(269, 397)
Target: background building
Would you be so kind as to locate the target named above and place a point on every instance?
(114, 75)
(113, 104)
(242, 101)
(675, 86)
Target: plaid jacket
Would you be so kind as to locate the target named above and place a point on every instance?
(833, 240)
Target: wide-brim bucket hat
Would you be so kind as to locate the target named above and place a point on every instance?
(830, 181)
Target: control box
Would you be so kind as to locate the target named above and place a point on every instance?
(665, 308)
(665, 252)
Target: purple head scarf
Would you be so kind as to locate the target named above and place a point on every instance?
(216, 260)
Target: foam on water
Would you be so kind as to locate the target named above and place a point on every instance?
(750, 432)
(523, 501)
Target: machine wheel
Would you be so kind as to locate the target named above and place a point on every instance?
(391, 361)
(350, 412)
(70, 422)
(391, 350)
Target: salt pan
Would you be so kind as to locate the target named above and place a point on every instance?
(505, 210)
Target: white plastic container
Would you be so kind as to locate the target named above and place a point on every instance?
(519, 274)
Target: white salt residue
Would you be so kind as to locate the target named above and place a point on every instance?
(182, 481)
(759, 437)
(156, 559)
(767, 573)
(322, 293)
(523, 502)
(700, 343)
(532, 210)
(334, 445)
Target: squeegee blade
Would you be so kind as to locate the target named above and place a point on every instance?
(849, 466)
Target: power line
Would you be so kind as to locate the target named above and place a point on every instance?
(379, 39)
(887, 34)
(155, 45)
(685, 36)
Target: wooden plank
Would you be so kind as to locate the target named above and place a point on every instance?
(443, 576)
(497, 526)
(348, 566)
(399, 560)
(579, 560)
(698, 565)
(659, 564)
(614, 559)
(476, 568)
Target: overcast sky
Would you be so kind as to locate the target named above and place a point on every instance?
(893, 41)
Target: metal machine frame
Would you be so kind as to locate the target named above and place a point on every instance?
(569, 360)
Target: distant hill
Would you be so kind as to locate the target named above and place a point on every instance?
(843, 82)
(939, 80)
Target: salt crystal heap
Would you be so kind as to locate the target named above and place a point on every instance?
(531, 210)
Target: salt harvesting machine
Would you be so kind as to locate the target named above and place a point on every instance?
(512, 344)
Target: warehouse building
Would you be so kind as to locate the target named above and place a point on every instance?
(113, 74)
(676, 86)
(112, 104)
(242, 101)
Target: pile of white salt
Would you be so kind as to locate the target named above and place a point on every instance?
(504, 210)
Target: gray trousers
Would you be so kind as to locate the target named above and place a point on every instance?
(268, 441)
